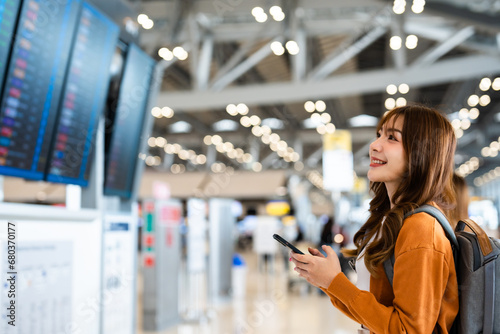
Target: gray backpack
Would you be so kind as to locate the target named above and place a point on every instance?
(478, 272)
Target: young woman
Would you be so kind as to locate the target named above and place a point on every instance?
(411, 164)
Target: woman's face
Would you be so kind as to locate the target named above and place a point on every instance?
(387, 156)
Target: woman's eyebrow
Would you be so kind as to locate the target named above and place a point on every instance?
(394, 130)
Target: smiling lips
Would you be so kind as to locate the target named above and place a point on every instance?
(377, 163)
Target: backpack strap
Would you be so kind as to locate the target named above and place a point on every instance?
(441, 218)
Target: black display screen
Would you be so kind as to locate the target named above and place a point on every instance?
(122, 153)
(84, 97)
(33, 85)
(9, 10)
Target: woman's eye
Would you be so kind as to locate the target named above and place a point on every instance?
(391, 137)
(378, 135)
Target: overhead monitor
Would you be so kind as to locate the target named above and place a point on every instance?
(8, 17)
(127, 123)
(84, 97)
(33, 84)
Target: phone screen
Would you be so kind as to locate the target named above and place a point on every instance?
(286, 244)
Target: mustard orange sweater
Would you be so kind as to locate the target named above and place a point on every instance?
(425, 293)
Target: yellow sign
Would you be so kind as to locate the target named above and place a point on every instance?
(339, 140)
(277, 208)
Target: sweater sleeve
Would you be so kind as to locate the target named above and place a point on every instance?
(420, 278)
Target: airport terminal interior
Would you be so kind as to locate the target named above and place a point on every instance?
(150, 150)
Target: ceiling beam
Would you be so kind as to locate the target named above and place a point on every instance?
(447, 45)
(343, 54)
(374, 81)
(243, 67)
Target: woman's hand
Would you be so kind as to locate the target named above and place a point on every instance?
(316, 268)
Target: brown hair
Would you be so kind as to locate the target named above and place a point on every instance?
(429, 144)
(462, 194)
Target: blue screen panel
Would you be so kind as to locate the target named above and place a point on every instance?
(33, 85)
(9, 10)
(125, 141)
(84, 97)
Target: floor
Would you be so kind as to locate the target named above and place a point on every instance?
(264, 305)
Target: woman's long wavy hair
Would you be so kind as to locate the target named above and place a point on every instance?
(429, 144)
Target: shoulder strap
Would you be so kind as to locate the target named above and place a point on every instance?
(441, 218)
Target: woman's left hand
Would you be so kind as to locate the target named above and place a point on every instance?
(317, 269)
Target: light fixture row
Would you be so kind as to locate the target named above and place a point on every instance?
(468, 167)
(488, 177)
(178, 52)
(260, 15)
(166, 112)
(264, 132)
(145, 21)
(399, 6)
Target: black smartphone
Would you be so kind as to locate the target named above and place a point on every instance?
(286, 244)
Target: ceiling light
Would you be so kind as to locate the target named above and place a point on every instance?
(166, 54)
(275, 10)
(274, 137)
(207, 140)
(160, 141)
(257, 131)
(242, 109)
(309, 106)
(465, 124)
(463, 113)
(279, 17)
(391, 89)
(411, 42)
(456, 124)
(292, 47)
(257, 167)
(390, 103)
(484, 100)
(245, 121)
(141, 18)
(156, 112)
(473, 100)
(261, 18)
(326, 118)
(404, 88)
(254, 120)
(167, 112)
(216, 139)
(320, 105)
(400, 102)
(459, 133)
(231, 109)
(395, 42)
(151, 141)
(256, 11)
(277, 48)
(330, 128)
(485, 84)
(496, 84)
(316, 118)
(266, 129)
(148, 24)
(473, 113)
(321, 129)
(417, 9)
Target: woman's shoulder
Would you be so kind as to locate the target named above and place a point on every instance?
(421, 230)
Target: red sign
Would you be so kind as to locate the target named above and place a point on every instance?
(149, 260)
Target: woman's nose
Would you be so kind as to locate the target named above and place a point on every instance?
(375, 145)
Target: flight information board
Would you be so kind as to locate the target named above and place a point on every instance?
(8, 16)
(34, 84)
(84, 96)
(128, 123)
